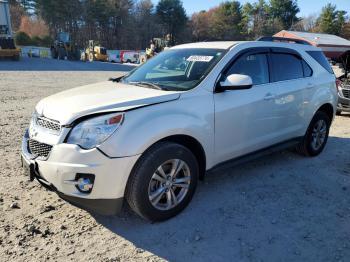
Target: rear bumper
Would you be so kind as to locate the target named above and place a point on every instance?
(66, 161)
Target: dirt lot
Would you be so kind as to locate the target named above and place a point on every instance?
(282, 207)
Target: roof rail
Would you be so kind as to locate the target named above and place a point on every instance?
(282, 39)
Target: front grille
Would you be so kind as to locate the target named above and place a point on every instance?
(346, 93)
(39, 149)
(48, 124)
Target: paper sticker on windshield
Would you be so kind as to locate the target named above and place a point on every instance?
(199, 58)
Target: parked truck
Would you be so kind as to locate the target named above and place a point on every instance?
(7, 43)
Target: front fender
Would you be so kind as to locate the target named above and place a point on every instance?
(190, 115)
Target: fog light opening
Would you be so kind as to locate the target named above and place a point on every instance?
(85, 182)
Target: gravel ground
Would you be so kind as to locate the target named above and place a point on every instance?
(282, 207)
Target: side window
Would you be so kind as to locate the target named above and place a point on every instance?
(253, 65)
(307, 69)
(321, 59)
(286, 67)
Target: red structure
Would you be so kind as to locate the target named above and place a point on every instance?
(333, 46)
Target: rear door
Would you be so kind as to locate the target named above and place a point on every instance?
(245, 120)
(287, 77)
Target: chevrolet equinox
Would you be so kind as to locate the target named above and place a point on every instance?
(146, 138)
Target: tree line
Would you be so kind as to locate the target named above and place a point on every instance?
(131, 24)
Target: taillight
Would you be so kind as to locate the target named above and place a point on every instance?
(338, 84)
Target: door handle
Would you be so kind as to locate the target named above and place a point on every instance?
(269, 96)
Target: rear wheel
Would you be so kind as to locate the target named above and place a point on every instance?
(316, 135)
(54, 53)
(15, 57)
(162, 182)
(62, 53)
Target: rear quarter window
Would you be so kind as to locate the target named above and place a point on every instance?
(321, 59)
(307, 69)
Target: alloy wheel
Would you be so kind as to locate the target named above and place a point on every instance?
(319, 134)
(169, 184)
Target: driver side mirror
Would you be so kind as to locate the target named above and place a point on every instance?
(235, 82)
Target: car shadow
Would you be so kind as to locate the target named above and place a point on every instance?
(42, 64)
(281, 207)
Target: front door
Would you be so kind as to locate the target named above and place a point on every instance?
(245, 120)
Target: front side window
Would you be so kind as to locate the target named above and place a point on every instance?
(286, 67)
(176, 69)
(253, 65)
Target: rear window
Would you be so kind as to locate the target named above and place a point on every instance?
(321, 59)
(286, 67)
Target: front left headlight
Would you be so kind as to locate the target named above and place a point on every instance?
(94, 131)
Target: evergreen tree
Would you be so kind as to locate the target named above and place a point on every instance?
(172, 16)
(285, 12)
(227, 21)
(331, 20)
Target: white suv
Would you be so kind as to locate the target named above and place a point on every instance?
(149, 136)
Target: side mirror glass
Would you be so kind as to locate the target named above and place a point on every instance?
(236, 82)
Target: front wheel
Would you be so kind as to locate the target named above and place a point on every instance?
(91, 57)
(15, 57)
(316, 135)
(163, 181)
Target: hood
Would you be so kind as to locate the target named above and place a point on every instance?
(108, 96)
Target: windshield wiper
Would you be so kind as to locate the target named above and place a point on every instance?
(148, 84)
(115, 79)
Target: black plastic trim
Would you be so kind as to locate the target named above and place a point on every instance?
(107, 207)
(257, 154)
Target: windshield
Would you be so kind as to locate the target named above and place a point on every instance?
(176, 69)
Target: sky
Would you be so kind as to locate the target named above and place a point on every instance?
(307, 7)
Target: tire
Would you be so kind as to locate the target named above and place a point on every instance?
(338, 113)
(142, 185)
(54, 54)
(61, 53)
(91, 57)
(15, 58)
(307, 146)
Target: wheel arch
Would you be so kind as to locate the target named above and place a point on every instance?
(328, 109)
(193, 145)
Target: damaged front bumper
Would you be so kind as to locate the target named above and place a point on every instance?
(66, 161)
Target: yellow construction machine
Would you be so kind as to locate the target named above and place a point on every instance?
(94, 53)
(7, 43)
(63, 48)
